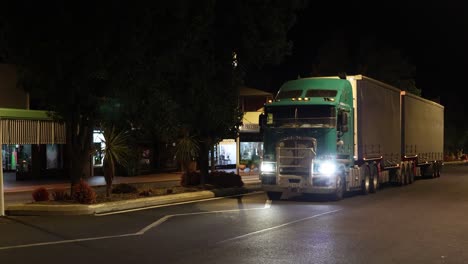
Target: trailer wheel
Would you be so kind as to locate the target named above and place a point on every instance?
(423, 171)
(403, 175)
(434, 170)
(395, 176)
(410, 173)
(365, 184)
(374, 174)
(439, 167)
(427, 171)
(274, 195)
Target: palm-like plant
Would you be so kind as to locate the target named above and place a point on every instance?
(116, 151)
(187, 149)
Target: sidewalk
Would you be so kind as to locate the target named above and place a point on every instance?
(10, 185)
(18, 194)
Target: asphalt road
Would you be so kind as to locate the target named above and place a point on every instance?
(425, 222)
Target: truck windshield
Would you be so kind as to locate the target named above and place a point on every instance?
(301, 116)
(288, 94)
(321, 93)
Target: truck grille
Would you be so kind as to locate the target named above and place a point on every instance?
(268, 180)
(295, 155)
(320, 182)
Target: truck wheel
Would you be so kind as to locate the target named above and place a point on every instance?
(374, 183)
(439, 168)
(395, 176)
(427, 171)
(340, 189)
(410, 173)
(401, 180)
(366, 182)
(434, 170)
(274, 195)
(404, 175)
(423, 171)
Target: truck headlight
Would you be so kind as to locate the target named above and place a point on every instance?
(268, 166)
(327, 168)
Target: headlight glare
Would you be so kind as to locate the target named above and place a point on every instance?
(327, 168)
(268, 167)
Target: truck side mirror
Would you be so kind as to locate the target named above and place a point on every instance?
(344, 122)
(262, 122)
(345, 119)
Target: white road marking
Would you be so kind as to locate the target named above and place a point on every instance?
(278, 226)
(139, 233)
(65, 241)
(165, 218)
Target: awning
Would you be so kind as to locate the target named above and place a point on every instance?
(18, 126)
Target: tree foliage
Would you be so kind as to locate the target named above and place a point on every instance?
(161, 68)
(62, 56)
(74, 59)
(256, 31)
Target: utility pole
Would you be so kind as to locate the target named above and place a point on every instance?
(2, 194)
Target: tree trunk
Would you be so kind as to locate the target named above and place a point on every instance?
(79, 139)
(203, 161)
(212, 158)
(109, 173)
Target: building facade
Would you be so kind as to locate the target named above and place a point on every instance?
(246, 150)
(32, 142)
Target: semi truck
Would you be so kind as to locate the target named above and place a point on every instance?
(338, 134)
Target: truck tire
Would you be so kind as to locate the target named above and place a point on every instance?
(434, 170)
(427, 171)
(366, 181)
(404, 175)
(340, 189)
(439, 168)
(423, 171)
(395, 176)
(374, 174)
(410, 173)
(274, 195)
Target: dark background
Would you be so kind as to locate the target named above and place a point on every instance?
(431, 36)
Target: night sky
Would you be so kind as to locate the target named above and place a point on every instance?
(432, 36)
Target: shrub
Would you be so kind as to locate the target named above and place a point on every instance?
(60, 195)
(224, 179)
(83, 193)
(124, 188)
(147, 192)
(40, 194)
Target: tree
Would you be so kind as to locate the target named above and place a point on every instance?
(74, 59)
(61, 52)
(187, 152)
(168, 64)
(256, 31)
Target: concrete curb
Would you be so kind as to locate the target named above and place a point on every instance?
(83, 209)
